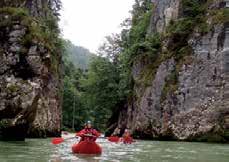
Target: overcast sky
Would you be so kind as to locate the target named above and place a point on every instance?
(87, 22)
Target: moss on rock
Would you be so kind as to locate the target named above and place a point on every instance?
(13, 88)
(4, 123)
(44, 31)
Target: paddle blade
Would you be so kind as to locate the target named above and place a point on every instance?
(57, 141)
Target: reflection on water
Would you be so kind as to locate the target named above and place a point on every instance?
(41, 150)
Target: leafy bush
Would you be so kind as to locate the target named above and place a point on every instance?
(10, 15)
(139, 30)
(220, 16)
(19, 12)
(193, 8)
(183, 26)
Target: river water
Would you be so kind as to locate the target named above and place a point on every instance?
(41, 150)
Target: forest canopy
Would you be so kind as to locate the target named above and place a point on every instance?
(97, 89)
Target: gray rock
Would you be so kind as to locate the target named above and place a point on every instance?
(198, 109)
(164, 12)
(30, 102)
(15, 48)
(17, 33)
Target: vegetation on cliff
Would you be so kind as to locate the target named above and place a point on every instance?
(31, 57)
(121, 52)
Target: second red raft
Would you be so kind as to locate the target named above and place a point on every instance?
(86, 147)
(114, 139)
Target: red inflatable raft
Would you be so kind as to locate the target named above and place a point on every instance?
(87, 147)
(127, 140)
(114, 139)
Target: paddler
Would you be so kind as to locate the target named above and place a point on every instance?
(127, 139)
(87, 144)
(88, 133)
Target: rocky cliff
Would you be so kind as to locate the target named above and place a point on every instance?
(30, 100)
(184, 93)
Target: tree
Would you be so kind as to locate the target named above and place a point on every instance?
(101, 90)
(111, 47)
(73, 98)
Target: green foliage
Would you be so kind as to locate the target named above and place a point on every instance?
(111, 47)
(193, 8)
(139, 30)
(137, 40)
(76, 60)
(149, 46)
(13, 88)
(44, 30)
(12, 15)
(94, 93)
(101, 90)
(20, 12)
(73, 102)
(180, 27)
(196, 13)
(140, 8)
(4, 123)
(79, 56)
(136, 43)
(220, 16)
(193, 18)
(109, 81)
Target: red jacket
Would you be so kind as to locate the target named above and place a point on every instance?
(127, 139)
(88, 131)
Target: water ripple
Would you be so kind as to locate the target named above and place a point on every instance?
(41, 150)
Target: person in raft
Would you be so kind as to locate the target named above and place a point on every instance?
(127, 139)
(87, 144)
(88, 133)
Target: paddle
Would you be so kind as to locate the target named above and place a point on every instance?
(59, 140)
(110, 139)
(90, 135)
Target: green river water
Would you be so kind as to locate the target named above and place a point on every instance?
(41, 150)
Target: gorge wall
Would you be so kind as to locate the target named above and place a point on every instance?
(186, 95)
(30, 61)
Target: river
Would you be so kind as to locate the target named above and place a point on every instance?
(41, 150)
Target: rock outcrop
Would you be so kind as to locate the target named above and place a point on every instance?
(30, 98)
(187, 98)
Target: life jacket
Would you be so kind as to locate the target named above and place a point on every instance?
(127, 139)
(89, 131)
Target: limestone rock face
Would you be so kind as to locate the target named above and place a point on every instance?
(30, 102)
(164, 12)
(198, 109)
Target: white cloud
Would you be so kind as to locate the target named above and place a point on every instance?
(87, 22)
